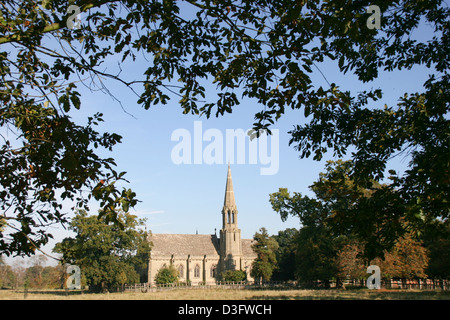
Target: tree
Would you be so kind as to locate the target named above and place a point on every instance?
(408, 259)
(438, 248)
(33, 273)
(315, 256)
(285, 255)
(344, 208)
(167, 275)
(265, 263)
(19, 274)
(439, 259)
(262, 50)
(7, 276)
(106, 253)
(349, 262)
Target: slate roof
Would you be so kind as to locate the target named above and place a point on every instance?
(247, 248)
(193, 244)
(184, 244)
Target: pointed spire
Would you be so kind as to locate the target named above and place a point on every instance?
(229, 193)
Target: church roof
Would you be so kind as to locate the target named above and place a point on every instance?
(191, 244)
(247, 247)
(184, 244)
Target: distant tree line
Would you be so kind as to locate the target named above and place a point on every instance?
(307, 255)
(36, 276)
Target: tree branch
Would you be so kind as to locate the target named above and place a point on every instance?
(83, 5)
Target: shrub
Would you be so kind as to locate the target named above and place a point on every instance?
(167, 275)
(234, 275)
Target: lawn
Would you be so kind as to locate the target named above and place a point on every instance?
(229, 294)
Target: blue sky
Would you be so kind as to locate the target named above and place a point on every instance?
(187, 198)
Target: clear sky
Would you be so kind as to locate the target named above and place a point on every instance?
(188, 198)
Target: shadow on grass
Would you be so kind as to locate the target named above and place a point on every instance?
(57, 292)
(361, 295)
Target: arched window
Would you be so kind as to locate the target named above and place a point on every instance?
(181, 271)
(197, 271)
(229, 217)
(232, 215)
(213, 271)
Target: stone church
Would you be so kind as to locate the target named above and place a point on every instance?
(201, 258)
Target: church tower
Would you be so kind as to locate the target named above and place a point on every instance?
(230, 234)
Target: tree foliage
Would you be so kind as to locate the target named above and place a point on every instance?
(265, 262)
(439, 255)
(315, 255)
(108, 255)
(7, 276)
(408, 259)
(346, 228)
(167, 275)
(258, 49)
(234, 275)
(285, 254)
(342, 207)
(36, 275)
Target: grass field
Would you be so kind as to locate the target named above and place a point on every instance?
(229, 294)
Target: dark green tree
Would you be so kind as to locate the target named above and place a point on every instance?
(265, 247)
(315, 256)
(438, 250)
(285, 255)
(109, 255)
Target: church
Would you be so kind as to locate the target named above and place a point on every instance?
(201, 258)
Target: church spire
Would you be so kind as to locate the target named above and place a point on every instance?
(229, 210)
(230, 234)
(229, 201)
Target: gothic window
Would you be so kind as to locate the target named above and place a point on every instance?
(229, 218)
(197, 271)
(181, 271)
(233, 214)
(213, 271)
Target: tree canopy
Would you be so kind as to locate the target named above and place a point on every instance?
(343, 208)
(167, 275)
(258, 49)
(107, 254)
(265, 263)
(343, 230)
(285, 255)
